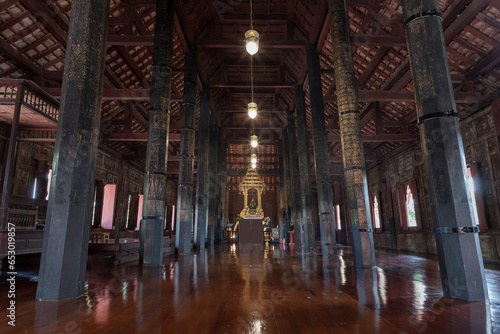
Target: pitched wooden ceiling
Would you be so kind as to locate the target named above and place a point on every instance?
(33, 36)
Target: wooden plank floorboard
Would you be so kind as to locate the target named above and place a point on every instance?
(251, 290)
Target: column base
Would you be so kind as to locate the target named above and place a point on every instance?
(461, 266)
(363, 249)
(151, 248)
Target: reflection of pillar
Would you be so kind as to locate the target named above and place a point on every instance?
(352, 144)
(457, 241)
(151, 249)
(65, 241)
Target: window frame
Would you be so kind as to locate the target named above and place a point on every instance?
(403, 210)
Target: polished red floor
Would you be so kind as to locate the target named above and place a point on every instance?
(251, 290)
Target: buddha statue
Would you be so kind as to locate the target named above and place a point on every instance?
(252, 205)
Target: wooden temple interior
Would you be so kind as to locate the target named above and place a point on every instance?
(137, 193)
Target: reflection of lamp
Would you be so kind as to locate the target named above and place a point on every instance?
(254, 158)
(252, 40)
(252, 110)
(254, 141)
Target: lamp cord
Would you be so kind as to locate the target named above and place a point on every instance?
(251, 76)
(251, 15)
(251, 70)
(251, 86)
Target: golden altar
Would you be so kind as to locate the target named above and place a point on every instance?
(252, 181)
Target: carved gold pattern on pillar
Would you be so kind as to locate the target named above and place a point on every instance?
(350, 130)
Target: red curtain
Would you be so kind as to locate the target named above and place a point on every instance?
(402, 206)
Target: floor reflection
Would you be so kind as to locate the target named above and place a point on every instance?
(260, 289)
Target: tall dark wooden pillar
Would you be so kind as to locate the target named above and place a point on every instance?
(223, 185)
(99, 199)
(305, 170)
(283, 202)
(455, 229)
(286, 188)
(295, 181)
(65, 245)
(186, 166)
(218, 187)
(202, 171)
(390, 211)
(133, 211)
(212, 178)
(119, 204)
(352, 143)
(322, 163)
(155, 181)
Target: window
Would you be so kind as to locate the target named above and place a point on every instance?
(108, 206)
(470, 184)
(34, 189)
(139, 212)
(49, 179)
(376, 212)
(172, 226)
(475, 190)
(94, 204)
(128, 210)
(337, 218)
(409, 208)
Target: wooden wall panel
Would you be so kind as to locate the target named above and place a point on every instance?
(480, 146)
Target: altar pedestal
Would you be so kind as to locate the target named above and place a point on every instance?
(250, 231)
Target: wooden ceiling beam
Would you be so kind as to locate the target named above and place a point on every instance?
(486, 64)
(111, 94)
(136, 137)
(243, 172)
(18, 58)
(243, 110)
(244, 19)
(363, 95)
(37, 9)
(231, 44)
(399, 96)
(339, 159)
(257, 84)
(256, 127)
(7, 4)
(380, 138)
